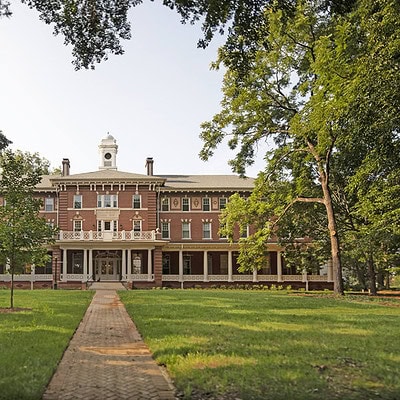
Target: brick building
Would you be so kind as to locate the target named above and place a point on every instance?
(146, 230)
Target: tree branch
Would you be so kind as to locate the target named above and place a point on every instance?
(298, 200)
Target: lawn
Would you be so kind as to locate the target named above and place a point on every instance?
(271, 345)
(32, 341)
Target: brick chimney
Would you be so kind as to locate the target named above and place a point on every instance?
(65, 167)
(149, 165)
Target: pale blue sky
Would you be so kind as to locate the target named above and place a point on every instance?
(152, 99)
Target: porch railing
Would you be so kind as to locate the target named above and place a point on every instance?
(107, 236)
(244, 278)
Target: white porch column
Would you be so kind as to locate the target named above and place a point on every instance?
(304, 278)
(180, 266)
(85, 266)
(64, 265)
(90, 264)
(123, 266)
(32, 275)
(330, 270)
(230, 269)
(149, 265)
(255, 276)
(129, 265)
(279, 266)
(205, 266)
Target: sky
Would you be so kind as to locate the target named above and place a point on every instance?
(152, 99)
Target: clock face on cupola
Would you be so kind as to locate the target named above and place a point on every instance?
(108, 149)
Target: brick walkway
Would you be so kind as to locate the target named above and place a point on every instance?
(107, 359)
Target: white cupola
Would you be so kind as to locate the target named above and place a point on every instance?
(108, 150)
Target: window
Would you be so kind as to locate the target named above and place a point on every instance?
(108, 226)
(165, 204)
(222, 203)
(187, 265)
(165, 230)
(136, 263)
(77, 263)
(185, 204)
(49, 204)
(77, 201)
(136, 201)
(50, 223)
(244, 233)
(77, 225)
(206, 230)
(185, 230)
(223, 263)
(45, 269)
(166, 264)
(137, 226)
(206, 204)
(221, 235)
(107, 201)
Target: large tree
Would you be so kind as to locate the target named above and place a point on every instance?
(95, 28)
(311, 87)
(23, 233)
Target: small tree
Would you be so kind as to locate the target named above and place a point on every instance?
(23, 233)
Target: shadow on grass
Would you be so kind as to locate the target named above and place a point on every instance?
(32, 342)
(261, 346)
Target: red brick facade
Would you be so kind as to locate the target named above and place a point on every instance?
(146, 230)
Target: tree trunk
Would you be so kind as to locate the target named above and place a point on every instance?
(371, 275)
(387, 280)
(12, 291)
(335, 249)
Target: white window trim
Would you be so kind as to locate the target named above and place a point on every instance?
(166, 200)
(188, 204)
(189, 230)
(168, 231)
(78, 196)
(101, 201)
(138, 196)
(210, 230)
(205, 201)
(49, 201)
(76, 223)
(139, 222)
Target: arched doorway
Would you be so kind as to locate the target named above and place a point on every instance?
(107, 266)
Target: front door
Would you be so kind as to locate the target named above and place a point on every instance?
(107, 269)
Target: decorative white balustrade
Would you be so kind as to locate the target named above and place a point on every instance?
(170, 278)
(243, 278)
(26, 277)
(107, 236)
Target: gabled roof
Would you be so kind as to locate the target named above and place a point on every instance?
(207, 182)
(167, 182)
(107, 175)
(45, 183)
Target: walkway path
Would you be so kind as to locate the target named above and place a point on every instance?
(107, 359)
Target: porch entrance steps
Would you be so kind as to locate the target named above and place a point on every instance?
(107, 286)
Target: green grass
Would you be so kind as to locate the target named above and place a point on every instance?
(32, 342)
(263, 345)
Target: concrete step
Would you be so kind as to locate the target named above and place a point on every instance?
(107, 286)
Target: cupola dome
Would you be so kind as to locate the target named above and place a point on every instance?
(108, 150)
